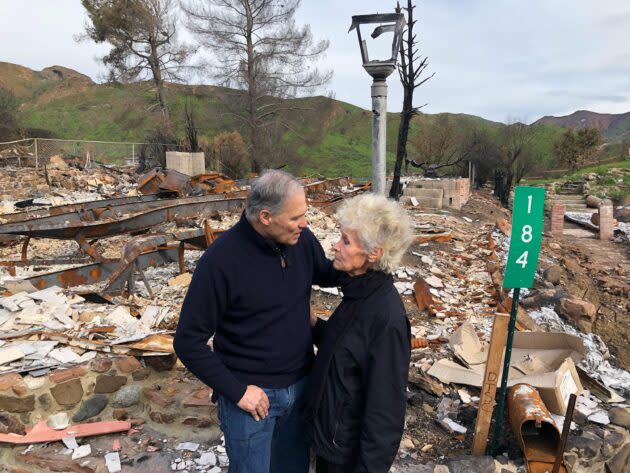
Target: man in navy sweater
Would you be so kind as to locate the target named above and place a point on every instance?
(251, 290)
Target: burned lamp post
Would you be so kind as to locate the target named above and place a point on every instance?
(379, 69)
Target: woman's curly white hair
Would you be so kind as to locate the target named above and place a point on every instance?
(378, 222)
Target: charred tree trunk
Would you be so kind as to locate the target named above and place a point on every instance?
(401, 146)
(409, 70)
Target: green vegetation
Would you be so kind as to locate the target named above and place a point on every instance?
(610, 180)
(324, 136)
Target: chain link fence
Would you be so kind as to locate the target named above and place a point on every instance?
(36, 152)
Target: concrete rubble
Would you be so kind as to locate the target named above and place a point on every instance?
(77, 354)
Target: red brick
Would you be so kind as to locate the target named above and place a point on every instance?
(59, 376)
(127, 364)
(557, 219)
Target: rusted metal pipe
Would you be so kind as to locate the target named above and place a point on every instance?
(25, 249)
(568, 416)
(534, 428)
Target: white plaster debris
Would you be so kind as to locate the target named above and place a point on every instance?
(206, 459)
(112, 462)
(126, 325)
(434, 281)
(464, 396)
(600, 417)
(223, 460)
(153, 315)
(328, 290)
(82, 451)
(404, 287)
(452, 426)
(10, 354)
(70, 442)
(64, 355)
(58, 421)
(190, 446)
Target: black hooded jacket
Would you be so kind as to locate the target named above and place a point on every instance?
(355, 404)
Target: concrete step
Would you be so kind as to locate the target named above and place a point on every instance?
(421, 192)
(569, 197)
(576, 208)
(427, 202)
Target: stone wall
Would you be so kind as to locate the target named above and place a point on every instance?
(158, 389)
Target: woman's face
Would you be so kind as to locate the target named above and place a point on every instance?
(350, 257)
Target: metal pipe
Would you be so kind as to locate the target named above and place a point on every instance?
(568, 416)
(498, 425)
(379, 131)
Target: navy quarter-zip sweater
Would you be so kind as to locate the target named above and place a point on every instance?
(253, 295)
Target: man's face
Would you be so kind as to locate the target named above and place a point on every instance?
(286, 225)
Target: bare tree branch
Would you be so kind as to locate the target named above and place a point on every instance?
(258, 49)
(144, 42)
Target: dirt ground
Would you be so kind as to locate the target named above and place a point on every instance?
(599, 271)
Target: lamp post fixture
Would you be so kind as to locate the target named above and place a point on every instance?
(379, 69)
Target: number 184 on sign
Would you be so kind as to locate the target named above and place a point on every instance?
(527, 226)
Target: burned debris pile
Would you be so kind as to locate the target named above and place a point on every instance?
(94, 265)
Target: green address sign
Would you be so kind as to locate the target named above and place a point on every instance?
(527, 226)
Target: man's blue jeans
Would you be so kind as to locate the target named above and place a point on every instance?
(276, 444)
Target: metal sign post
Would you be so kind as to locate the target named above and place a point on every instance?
(527, 226)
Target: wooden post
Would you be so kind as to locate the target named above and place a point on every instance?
(490, 381)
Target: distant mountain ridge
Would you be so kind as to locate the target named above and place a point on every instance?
(614, 127)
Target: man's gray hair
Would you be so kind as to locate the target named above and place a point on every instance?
(270, 192)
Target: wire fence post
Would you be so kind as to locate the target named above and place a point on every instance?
(36, 155)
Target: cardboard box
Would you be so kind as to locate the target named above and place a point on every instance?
(544, 360)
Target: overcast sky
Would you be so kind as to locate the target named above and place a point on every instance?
(501, 59)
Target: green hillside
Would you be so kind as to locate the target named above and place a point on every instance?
(326, 136)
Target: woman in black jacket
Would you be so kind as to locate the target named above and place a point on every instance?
(355, 404)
